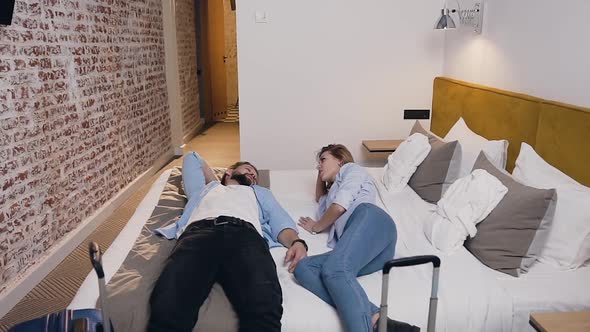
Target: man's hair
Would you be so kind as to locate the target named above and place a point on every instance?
(236, 165)
(339, 151)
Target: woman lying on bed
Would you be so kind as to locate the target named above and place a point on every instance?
(362, 236)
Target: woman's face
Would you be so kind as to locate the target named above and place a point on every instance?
(328, 166)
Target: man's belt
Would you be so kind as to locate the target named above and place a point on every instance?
(222, 221)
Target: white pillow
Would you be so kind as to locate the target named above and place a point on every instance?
(472, 144)
(568, 242)
(466, 203)
(402, 163)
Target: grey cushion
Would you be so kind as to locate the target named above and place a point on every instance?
(510, 238)
(440, 168)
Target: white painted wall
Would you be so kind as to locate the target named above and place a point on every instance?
(330, 71)
(537, 47)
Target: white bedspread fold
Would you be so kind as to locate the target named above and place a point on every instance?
(466, 203)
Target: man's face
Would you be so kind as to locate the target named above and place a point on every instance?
(244, 174)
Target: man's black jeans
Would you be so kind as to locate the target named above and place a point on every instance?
(236, 257)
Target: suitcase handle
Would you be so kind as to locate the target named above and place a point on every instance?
(96, 258)
(411, 261)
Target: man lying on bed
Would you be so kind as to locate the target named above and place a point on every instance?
(224, 235)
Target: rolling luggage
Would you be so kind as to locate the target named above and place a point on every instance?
(83, 320)
(410, 261)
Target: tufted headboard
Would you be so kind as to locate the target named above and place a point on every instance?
(560, 133)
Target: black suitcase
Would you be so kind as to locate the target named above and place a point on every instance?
(83, 320)
(410, 261)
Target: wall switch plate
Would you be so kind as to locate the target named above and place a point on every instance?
(261, 16)
(417, 114)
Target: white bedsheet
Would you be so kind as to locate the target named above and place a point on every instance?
(546, 289)
(471, 296)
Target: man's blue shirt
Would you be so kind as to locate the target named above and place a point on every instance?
(273, 218)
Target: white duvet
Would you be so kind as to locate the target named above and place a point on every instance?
(471, 296)
(465, 204)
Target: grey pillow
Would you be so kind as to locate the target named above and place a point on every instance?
(511, 237)
(440, 168)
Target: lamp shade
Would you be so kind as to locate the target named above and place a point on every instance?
(445, 21)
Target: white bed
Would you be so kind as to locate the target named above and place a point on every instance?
(545, 289)
(472, 297)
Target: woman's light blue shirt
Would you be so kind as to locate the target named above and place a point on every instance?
(353, 186)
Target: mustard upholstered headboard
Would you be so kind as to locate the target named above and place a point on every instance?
(560, 133)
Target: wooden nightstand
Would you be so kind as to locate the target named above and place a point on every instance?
(576, 321)
(382, 145)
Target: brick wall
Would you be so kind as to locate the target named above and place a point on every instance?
(83, 112)
(187, 63)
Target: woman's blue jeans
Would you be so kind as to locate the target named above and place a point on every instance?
(368, 241)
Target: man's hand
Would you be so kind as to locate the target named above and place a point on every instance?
(296, 250)
(296, 253)
(307, 223)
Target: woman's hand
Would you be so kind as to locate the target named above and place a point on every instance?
(307, 223)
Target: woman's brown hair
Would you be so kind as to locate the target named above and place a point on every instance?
(339, 152)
